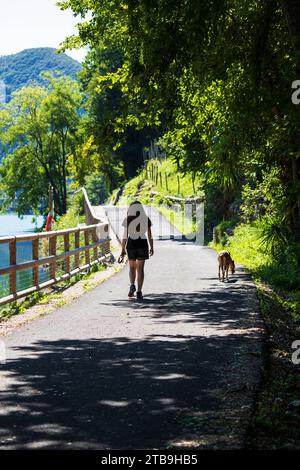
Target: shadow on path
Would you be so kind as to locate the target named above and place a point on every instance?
(116, 393)
(144, 393)
(184, 376)
(222, 308)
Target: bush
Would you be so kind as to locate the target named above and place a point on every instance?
(223, 230)
(96, 188)
(74, 215)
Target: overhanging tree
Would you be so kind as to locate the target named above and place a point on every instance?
(39, 127)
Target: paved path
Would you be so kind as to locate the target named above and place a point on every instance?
(178, 369)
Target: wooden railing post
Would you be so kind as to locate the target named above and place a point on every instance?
(77, 245)
(67, 248)
(86, 241)
(105, 246)
(52, 251)
(95, 239)
(35, 256)
(13, 262)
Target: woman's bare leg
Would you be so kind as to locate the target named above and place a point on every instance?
(132, 271)
(140, 273)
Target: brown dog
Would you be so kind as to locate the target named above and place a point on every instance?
(225, 262)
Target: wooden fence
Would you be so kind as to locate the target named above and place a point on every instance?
(90, 217)
(161, 178)
(55, 256)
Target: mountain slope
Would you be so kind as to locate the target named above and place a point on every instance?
(17, 70)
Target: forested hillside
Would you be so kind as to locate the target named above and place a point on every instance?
(18, 70)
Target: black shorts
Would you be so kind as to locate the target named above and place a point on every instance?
(137, 249)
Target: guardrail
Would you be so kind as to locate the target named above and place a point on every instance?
(180, 200)
(89, 212)
(55, 256)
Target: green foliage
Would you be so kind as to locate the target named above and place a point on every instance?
(223, 230)
(246, 247)
(96, 188)
(69, 220)
(76, 202)
(266, 196)
(15, 308)
(74, 214)
(119, 154)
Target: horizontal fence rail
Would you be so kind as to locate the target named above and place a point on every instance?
(37, 261)
(180, 200)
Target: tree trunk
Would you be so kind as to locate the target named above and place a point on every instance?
(64, 174)
(57, 201)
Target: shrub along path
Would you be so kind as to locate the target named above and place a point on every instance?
(179, 368)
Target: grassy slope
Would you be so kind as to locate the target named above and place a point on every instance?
(146, 182)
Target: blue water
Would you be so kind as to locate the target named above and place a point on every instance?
(12, 225)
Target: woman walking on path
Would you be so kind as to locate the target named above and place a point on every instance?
(137, 228)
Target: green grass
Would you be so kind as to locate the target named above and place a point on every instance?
(161, 176)
(172, 182)
(247, 248)
(71, 219)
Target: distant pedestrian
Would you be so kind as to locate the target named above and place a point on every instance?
(136, 241)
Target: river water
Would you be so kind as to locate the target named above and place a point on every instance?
(11, 224)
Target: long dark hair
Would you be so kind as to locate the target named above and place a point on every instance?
(136, 209)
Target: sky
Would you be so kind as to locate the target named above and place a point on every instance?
(35, 23)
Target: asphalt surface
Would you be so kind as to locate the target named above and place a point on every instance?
(178, 369)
